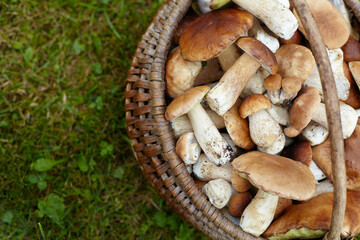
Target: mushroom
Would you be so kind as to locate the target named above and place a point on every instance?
(269, 173)
(255, 84)
(315, 133)
(276, 147)
(312, 218)
(302, 111)
(180, 74)
(283, 204)
(208, 136)
(324, 186)
(188, 148)
(218, 192)
(351, 50)
(355, 71)
(279, 113)
(238, 203)
(264, 130)
(210, 34)
(277, 17)
(189, 17)
(295, 39)
(224, 95)
(273, 82)
(348, 117)
(181, 124)
(322, 158)
(238, 127)
(209, 73)
(332, 25)
(205, 170)
(341, 82)
(354, 94)
(301, 151)
(260, 34)
(240, 184)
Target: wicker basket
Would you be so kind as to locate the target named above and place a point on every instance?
(153, 141)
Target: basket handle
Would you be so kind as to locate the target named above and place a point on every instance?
(333, 116)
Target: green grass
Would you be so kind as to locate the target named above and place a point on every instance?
(66, 171)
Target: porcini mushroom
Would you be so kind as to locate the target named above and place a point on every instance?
(188, 148)
(218, 192)
(315, 133)
(180, 74)
(269, 173)
(208, 136)
(331, 23)
(210, 5)
(311, 219)
(264, 130)
(205, 170)
(224, 95)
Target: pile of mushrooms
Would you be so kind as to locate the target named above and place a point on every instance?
(246, 106)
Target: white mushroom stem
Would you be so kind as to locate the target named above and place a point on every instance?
(188, 148)
(224, 95)
(316, 171)
(348, 118)
(324, 187)
(258, 215)
(279, 114)
(315, 133)
(257, 32)
(208, 136)
(341, 82)
(218, 192)
(181, 125)
(279, 19)
(264, 130)
(205, 170)
(255, 84)
(276, 147)
(285, 3)
(280, 97)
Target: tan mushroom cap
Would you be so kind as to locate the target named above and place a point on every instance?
(295, 61)
(322, 158)
(302, 110)
(180, 74)
(184, 102)
(252, 104)
(208, 35)
(315, 214)
(273, 82)
(275, 174)
(238, 127)
(331, 23)
(354, 94)
(299, 151)
(260, 52)
(355, 71)
(292, 85)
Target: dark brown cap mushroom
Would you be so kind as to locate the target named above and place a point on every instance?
(208, 35)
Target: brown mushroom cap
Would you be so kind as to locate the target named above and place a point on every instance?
(180, 74)
(291, 85)
(282, 205)
(354, 94)
(295, 61)
(302, 110)
(260, 52)
(351, 50)
(295, 39)
(273, 82)
(275, 174)
(184, 102)
(315, 214)
(355, 71)
(331, 23)
(238, 127)
(238, 203)
(208, 35)
(252, 104)
(240, 184)
(299, 151)
(322, 158)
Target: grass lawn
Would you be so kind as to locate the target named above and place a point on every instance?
(66, 171)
